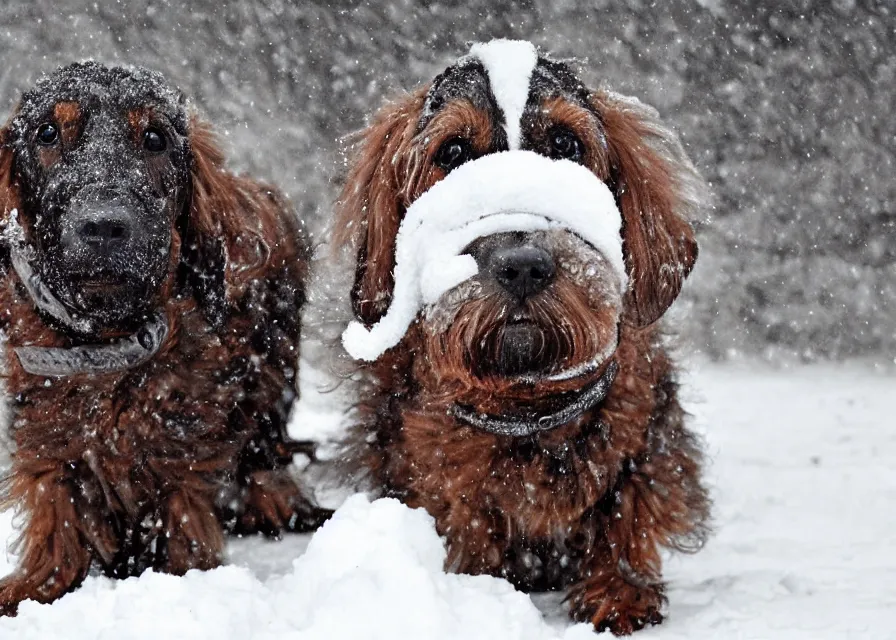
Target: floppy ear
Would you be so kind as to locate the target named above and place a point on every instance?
(231, 230)
(203, 255)
(373, 202)
(9, 191)
(659, 192)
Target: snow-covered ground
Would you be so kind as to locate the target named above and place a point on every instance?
(804, 481)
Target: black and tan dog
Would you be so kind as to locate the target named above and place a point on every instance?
(533, 414)
(150, 300)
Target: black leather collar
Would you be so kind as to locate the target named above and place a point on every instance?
(527, 425)
(119, 355)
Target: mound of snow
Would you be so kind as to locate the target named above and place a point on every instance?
(501, 192)
(373, 571)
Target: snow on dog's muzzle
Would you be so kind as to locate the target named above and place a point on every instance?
(498, 193)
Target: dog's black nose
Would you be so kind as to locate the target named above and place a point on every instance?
(105, 230)
(522, 271)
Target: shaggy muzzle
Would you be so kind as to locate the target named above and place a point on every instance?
(518, 258)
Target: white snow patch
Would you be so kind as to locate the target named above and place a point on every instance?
(509, 64)
(510, 191)
(373, 571)
(320, 414)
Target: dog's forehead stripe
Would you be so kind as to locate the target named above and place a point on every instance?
(509, 65)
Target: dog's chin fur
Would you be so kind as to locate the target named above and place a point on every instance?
(111, 308)
(478, 339)
(110, 304)
(463, 364)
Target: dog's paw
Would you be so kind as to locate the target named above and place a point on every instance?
(192, 537)
(274, 503)
(619, 606)
(8, 606)
(12, 591)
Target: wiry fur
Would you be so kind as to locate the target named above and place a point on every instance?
(147, 468)
(588, 506)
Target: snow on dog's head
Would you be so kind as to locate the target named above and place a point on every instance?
(489, 200)
(507, 219)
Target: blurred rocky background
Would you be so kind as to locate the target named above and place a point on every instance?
(786, 107)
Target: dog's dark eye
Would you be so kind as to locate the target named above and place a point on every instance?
(47, 134)
(154, 141)
(452, 154)
(565, 145)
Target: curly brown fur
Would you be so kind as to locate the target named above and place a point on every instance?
(147, 467)
(585, 507)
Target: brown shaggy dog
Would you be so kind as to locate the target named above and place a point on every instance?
(532, 476)
(151, 301)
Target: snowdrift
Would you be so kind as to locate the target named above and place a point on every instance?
(373, 571)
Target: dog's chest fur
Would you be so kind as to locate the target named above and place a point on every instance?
(531, 510)
(127, 438)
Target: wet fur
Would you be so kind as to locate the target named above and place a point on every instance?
(147, 468)
(586, 507)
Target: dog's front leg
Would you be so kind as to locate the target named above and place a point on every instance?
(615, 596)
(273, 502)
(54, 556)
(622, 589)
(658, 502)
(192, 537)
